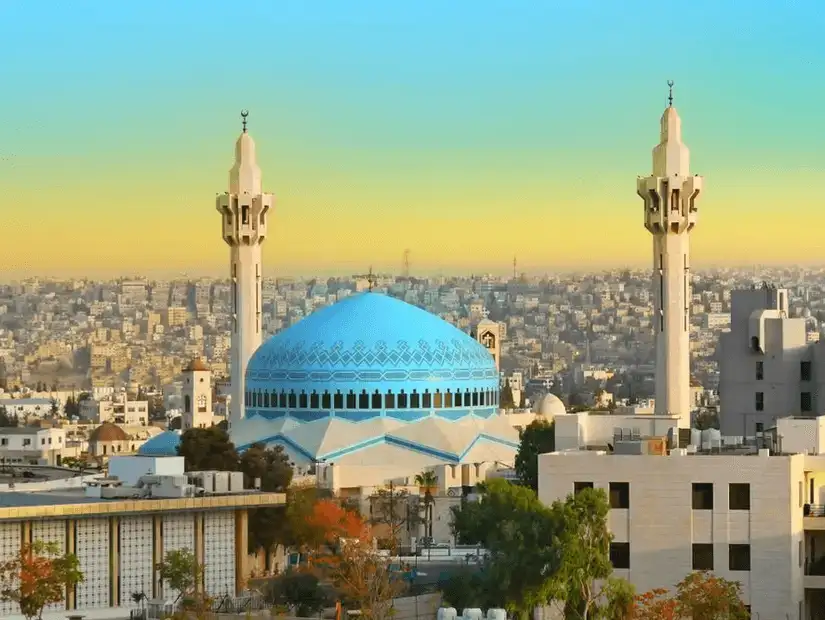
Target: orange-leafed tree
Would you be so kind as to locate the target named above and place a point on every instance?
(699, 595)
(38, 576)
(328, 523)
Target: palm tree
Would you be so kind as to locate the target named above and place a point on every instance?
(427, 480)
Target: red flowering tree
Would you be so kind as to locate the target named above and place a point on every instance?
(38, 576)
(699, 595)
(328, 523)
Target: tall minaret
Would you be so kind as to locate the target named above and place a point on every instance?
(669, 196)
(244, 211)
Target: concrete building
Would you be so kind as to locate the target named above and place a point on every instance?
(756, 516)
(121, 541)
(766, 364)
(245, 213)
(670, 214)
(32, 445)
(115, 408)
(28, 408)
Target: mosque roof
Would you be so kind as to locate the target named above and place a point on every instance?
(196, 365)
(108, 432)
(372, 342)
(164, 444)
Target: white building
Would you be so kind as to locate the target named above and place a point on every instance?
(669, 196)
(115, 408)
(32, 445)
(28, 408)
(766, 364)
(245, 213)
(752, 516)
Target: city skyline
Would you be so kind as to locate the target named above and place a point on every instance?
(377, 131)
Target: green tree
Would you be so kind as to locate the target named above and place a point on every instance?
(506, 397)
(539, 437)
(466, 588)
(71, 408)
(6, 419)
(390, 508)
(54, 407)
(269, 465)
(205, 449)
(705, 420)
(427, 480)
(518, 532)
(585, 550)
(183, 573)
(300, 590)
(38, 575)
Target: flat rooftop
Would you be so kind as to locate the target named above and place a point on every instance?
(16, 505)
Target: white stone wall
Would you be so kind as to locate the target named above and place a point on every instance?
(178, 533)
(9, 546)
(219, 553)
(136, 541)
(51, 531)
(92, 550)
(661, 525)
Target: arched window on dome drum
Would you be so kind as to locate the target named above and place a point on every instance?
(389, 401)
(282, 400)
(438, 401)
(326, 400)
(475, 398)
(415, 400)
(351, 404)
(427, 400)
(338, 400)
(448, 399)
(313, 400)
(376, 400)
(458, 398)
(302, 400)
(402, 400)
(484, 395)
(363, 400)
(255, 399)
(292, 400)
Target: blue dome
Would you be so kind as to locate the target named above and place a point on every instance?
(164, 444)
(371, 356)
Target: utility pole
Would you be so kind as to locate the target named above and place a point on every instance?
(406, 270)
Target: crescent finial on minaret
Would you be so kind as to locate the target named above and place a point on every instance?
(244, 114)
(670, 93)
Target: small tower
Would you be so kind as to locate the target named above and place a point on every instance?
(670, 213)
(197, 396)
(488, 333)
(245, 214)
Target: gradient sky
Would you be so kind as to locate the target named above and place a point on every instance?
(468, 131)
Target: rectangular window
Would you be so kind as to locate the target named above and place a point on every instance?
(739, 557)
(620, 495)
(702, 556)
(578, 487)
(760, 401)
(805, 371)
(620, 555)
(805, 402)
(245, 214)
(739, 496)
(760, 371)
(703, 496)
(760, 427)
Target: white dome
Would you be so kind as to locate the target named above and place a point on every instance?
(550, 406)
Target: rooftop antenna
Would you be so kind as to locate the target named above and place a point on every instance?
(670, 93)
(514, 268)
(244, 114)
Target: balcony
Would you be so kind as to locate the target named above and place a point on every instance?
(815, 573)
(813, 517)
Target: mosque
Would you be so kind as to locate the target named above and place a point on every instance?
(370, 381)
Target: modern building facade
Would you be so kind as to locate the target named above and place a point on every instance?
(767, 366)
(670, 195)
(120, 542)
(245, 212)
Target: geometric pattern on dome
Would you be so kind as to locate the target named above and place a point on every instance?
(403, 415)
(348, 376)
(453, 354)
